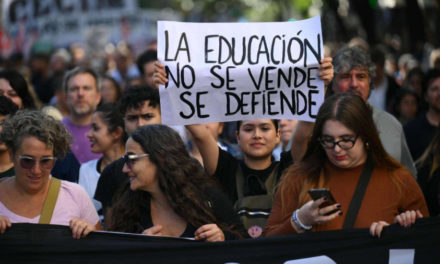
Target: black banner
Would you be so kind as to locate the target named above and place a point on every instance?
(25, 243)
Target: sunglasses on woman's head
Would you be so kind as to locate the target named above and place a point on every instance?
(28, 162)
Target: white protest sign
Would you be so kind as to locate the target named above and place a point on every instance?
(240, 71)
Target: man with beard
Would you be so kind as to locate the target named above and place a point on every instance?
(81, 87)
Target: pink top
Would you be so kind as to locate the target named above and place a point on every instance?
(72, 202)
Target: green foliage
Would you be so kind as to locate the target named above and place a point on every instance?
(302, 6)
(232, 10)
(373, 4)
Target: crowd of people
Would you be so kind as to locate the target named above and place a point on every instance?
(87, 149)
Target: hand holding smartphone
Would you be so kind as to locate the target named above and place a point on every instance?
(323, 192)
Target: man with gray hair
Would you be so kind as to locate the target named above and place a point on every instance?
(83, 96)
(354, 73)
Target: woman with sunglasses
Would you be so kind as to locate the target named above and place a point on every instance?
(343, 147)
(35, 141)
(168, 193)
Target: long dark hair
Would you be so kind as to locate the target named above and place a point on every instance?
(19, 84)
(181, 178)
(356, 115)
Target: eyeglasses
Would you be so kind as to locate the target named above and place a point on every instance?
(28, 162)
(345, 143)
(130, 158)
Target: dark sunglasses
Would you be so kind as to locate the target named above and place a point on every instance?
(28, 162)
(130, 158)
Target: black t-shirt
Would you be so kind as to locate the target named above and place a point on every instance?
(109, 182)
(419, 133)
(430, 188)
(67, 168)
(8, 173)
(227, 169)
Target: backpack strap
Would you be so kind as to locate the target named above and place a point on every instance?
(272, 180)
(359, 193)
(239, 181)
(51, 199)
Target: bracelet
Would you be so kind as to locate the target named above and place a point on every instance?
(298, 223)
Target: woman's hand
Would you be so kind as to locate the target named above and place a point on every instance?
(326, 70)
(209, 233)
(155, 230)
(408, 218)
(405, 219)
(159, 75)
(310, 213)
(4, 223)
(81, 228)
(377, 227)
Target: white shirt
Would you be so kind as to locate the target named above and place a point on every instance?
(88, 179)
(378, 95)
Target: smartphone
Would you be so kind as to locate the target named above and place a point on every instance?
(323, 192)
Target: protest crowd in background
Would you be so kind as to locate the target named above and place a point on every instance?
(183, 181)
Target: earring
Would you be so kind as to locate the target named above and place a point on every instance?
(367, 146)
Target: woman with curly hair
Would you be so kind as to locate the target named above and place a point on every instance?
(35, 141)
(168, 192)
